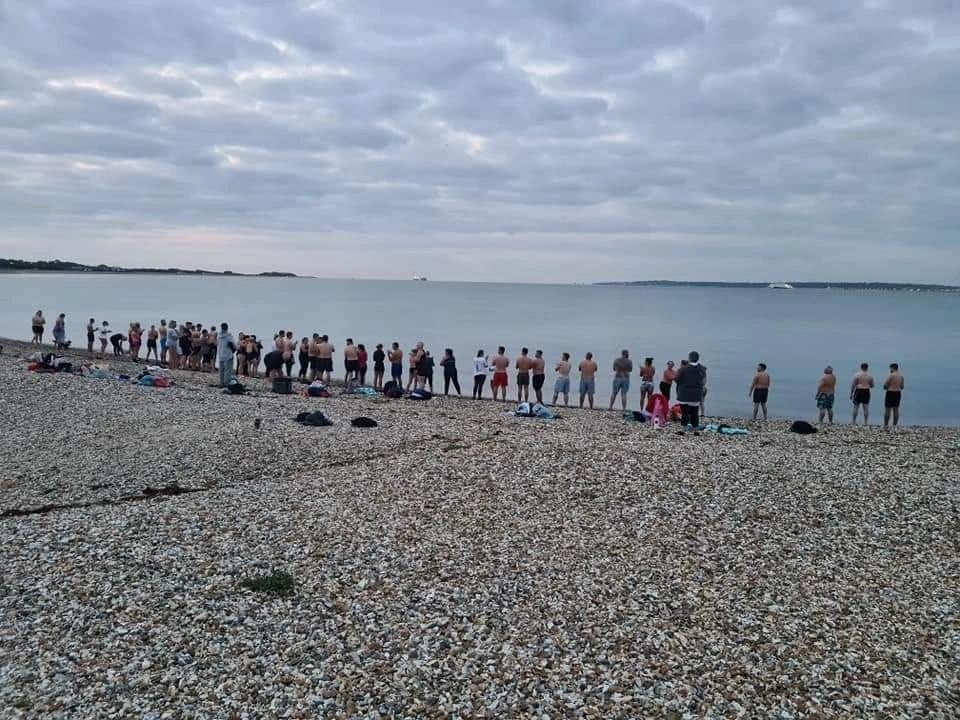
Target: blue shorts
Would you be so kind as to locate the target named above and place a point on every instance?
(561, 386)
(621, 385)
(588, 387)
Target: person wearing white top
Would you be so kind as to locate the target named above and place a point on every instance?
(480, 369)
(105, 333)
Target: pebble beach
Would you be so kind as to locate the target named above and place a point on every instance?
(458, 562)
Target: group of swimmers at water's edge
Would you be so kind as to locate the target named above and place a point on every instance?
(192, 346)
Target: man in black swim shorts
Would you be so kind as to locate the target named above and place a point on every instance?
(893, 386)
(860, 393)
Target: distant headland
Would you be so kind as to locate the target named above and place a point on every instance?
(902, 287)
(10, 265)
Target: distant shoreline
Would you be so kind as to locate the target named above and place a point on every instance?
(8, 265)
(900, 287)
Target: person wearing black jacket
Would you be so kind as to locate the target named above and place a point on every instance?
(449, 364)
(691, 381)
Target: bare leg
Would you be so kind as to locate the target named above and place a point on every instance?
(896, 416)
(763, 406)
(756, 407)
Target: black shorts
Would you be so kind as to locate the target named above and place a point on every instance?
(90, 337)
(538, 381)
(325, 364)
(378, 367)
(315, 364)
(861, 396)
(38, 329)
(352, 365)
(523, 379)
(760, 395)
(150, 343)
(892, 399)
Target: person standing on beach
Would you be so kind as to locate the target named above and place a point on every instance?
(622, 369)
(152, 343)
(288, 348)
(303, 357)
(105, 333)
(314, 357)
(225, 350)
(501, 363)
(362, 363)
(647, 373)
(691, 382)
(91, 334)
(325, 352)
(60, 332)
(826, 391)
(396, 364)
(666, 381)
(134, 339)
(588, 378)
(449, 364)
(36, 324)
(173, 344)
(425, 366)
(480, 370)
(539, 374)
(893, 387)
(350, 363)
(524, 365)
(414, 362)
(562, 384)
(860, 393)
(379, 367)
(760, 390)
(163, 340)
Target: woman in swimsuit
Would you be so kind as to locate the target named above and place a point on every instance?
(253, 355)
(37, 327)
(133, 337)
(303, 357)
(379, 368)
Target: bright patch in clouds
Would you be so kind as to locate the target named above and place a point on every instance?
(581, 140)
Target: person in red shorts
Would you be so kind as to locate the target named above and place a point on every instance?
(500, 363)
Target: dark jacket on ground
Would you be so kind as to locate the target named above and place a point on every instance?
(691, 379)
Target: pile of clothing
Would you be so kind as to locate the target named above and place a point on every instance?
(535, 410)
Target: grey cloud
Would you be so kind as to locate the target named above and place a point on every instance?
(726, 135)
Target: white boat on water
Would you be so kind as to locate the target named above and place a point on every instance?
(780, 286)
(422, 278)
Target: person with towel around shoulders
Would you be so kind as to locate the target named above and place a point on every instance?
(691, 380)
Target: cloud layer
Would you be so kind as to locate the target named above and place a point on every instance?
(560, 140)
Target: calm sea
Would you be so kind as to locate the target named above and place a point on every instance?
(796, 332)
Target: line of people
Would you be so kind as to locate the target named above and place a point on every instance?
(191, 346)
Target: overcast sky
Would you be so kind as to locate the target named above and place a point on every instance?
(542, 140)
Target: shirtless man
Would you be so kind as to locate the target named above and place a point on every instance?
(419, 371)
(562, 385)
(826, 391)
(313, 359)
(325, 352)
(588, 378)
(760, 390)
(622, 367)
(289, 347)
(647, 373)
(860, 393)
(893, 386)
(350, 361)
(396, 364)
(152, 336)
(501, 364)
(539, 374)
(412, 361)
(524, 365)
